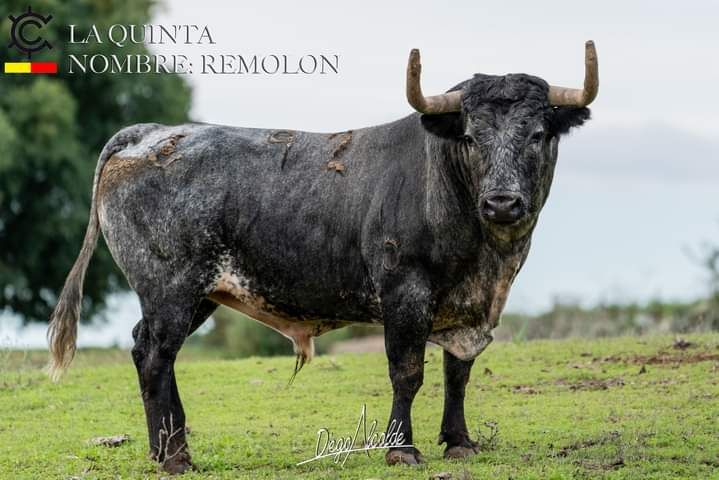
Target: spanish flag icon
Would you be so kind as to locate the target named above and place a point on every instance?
(31, 67)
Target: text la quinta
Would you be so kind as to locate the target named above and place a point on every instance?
(120, 35)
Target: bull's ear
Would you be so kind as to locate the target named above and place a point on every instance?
(564, 119)
(445, 125)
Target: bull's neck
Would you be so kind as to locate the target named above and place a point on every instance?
(449, 191)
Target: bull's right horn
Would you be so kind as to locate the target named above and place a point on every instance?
(573, 97)
(445, 103)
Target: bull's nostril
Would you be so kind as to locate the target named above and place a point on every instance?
(502, 208)
(502, 203)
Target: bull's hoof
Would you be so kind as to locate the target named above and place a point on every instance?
(404, 457)
(177, 464)
(466, 449)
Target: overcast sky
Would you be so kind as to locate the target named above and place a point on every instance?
(634, 189)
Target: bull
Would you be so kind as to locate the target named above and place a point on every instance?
(420, 225)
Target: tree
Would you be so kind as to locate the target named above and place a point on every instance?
(52, 128)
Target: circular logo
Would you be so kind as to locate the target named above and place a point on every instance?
(24, 32)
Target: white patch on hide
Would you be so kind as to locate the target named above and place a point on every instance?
(234, 290)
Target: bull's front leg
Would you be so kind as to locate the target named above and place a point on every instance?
(454, 427)
(407, 320)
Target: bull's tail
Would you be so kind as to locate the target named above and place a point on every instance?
(62, 332)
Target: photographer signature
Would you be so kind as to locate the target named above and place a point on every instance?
(341, 448)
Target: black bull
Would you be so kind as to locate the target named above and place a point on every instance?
(420, 225)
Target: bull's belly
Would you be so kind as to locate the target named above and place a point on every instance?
(463, 334)
(235, 292)
(462, 326)
(300, 332)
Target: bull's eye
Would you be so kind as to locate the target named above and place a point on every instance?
(537, 136)
(469, 142)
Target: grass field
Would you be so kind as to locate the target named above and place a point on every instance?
(621, 408)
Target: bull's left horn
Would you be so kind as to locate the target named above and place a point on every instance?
(573, 97)
(445, 103)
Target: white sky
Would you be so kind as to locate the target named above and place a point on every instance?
(634, 189)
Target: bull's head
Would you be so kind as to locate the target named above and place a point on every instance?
(507, 129)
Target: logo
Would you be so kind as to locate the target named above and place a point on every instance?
(26, 38)
(18, 33)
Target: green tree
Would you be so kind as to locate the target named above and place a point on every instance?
(52, 128)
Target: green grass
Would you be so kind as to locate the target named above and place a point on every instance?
(564, 409)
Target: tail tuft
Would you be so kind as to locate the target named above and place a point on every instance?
(62, 333)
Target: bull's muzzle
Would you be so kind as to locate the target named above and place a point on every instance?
(502, 208)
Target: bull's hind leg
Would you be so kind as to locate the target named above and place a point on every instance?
(158, 338)
(202, 313)
(454, 427)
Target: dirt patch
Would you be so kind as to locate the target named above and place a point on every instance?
(118, 168)
(525, 389)
(589, 443)
(590, 384)
(661, 358)
(680, 351)
(345, 138)
(613, 465)
(164, 151)
(335, 165)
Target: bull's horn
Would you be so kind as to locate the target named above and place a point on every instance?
(560, 96)
(445, 103)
